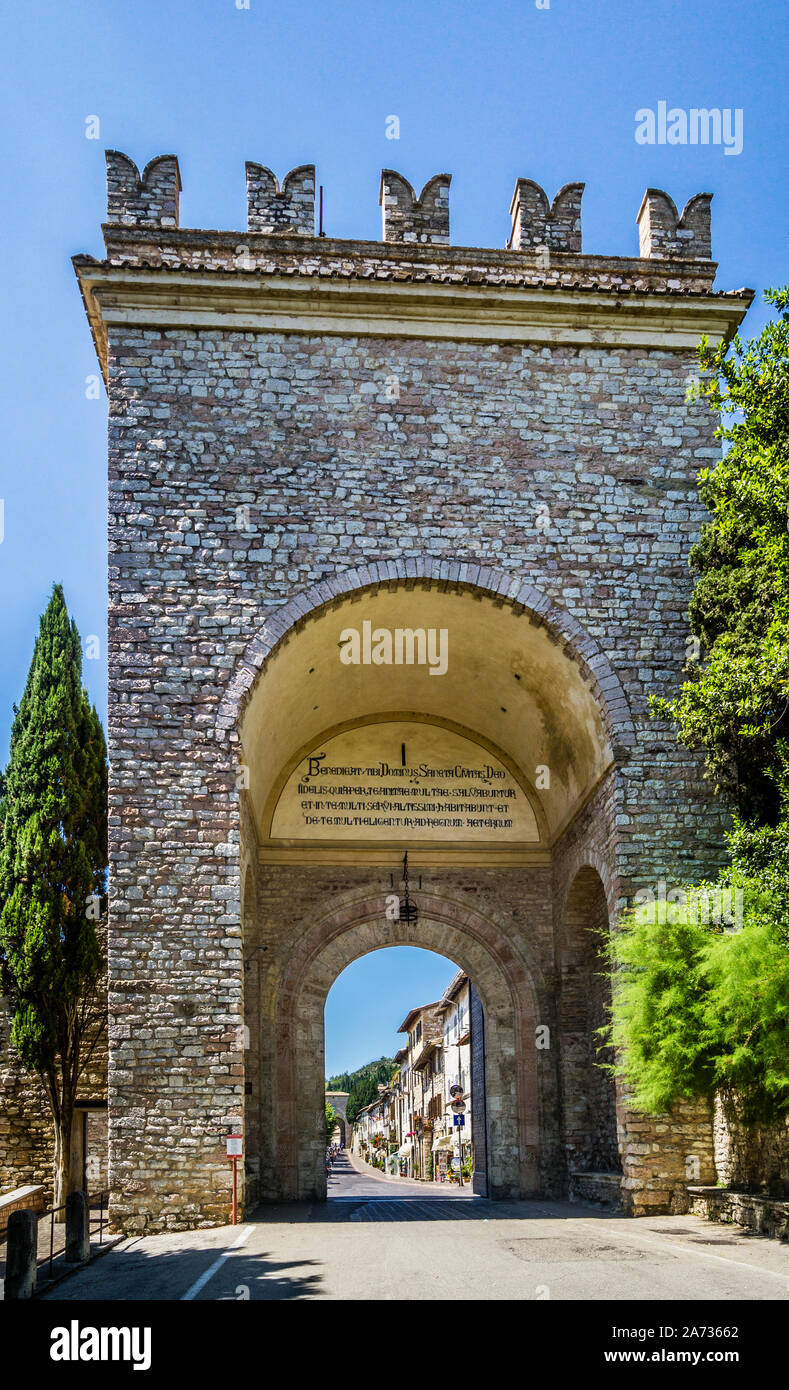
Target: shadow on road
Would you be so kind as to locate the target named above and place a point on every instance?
(149, 1270)
(413, 1208)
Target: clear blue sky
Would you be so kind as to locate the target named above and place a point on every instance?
(368, 1002)
(487, 91)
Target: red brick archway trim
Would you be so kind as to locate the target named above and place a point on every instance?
(578, 645)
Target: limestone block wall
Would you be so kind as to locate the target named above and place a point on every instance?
(27, 1133)
(27, 1137)
(754, 1160)
(244, 468)
(477, 1082)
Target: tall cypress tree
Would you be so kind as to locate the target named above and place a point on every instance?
(53, 865)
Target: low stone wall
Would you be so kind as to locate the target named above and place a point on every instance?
(29, 1198)
(751, 1159)
(597, 1189)
(764, 1215)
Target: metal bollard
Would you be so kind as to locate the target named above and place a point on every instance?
(77, 1228)
(21, 1254)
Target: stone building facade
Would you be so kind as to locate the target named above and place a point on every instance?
(423, 1027)
(311, 437)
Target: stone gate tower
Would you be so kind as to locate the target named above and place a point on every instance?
(398, 550)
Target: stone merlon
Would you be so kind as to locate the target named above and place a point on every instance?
(150, 201)
(534, 223)
(664, 235)
(290, 208)
(408, 218)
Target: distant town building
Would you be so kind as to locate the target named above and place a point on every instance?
(409, 1130)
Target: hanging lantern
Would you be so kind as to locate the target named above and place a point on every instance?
(409, 912)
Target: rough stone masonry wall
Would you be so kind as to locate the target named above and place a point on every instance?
(752, 1160)
(302, 431)
(26, 1138)
(479, 1125)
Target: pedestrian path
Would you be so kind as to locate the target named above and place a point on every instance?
(434, 1208)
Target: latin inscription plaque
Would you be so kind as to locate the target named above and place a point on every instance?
(400, 781)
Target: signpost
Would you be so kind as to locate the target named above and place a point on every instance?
(459, 1120)
(234, 1153)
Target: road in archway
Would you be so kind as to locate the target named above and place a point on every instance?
(353, 1179)
(385, 1240)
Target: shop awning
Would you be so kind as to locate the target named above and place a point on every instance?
(404, 1150)
(444, 1141)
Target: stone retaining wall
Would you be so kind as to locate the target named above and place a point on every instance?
(763, 1215)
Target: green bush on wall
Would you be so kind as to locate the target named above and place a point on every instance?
(698, 1009)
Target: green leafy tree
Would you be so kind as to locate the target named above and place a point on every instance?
(53, 862)
(331, 1121)
(699, 1010)
(735, 701)
(364, 1085)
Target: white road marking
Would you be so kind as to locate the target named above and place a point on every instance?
(211, 1271)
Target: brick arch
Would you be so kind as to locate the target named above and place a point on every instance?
(585, 858)
(576, 641)
(507, 992)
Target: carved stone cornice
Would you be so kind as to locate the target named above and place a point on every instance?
(240, 302)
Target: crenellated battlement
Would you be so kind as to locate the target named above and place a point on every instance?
(538, 229)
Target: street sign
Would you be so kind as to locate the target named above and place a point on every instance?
(458, 1106)
(459, 1120)
(234, 1145)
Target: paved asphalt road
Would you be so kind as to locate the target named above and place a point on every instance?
(387, 1238)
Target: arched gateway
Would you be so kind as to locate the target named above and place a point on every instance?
(343, 766)
(398, 550)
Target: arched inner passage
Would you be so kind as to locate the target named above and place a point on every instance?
(505, 992)
(403, 1026)
(588, 1095)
